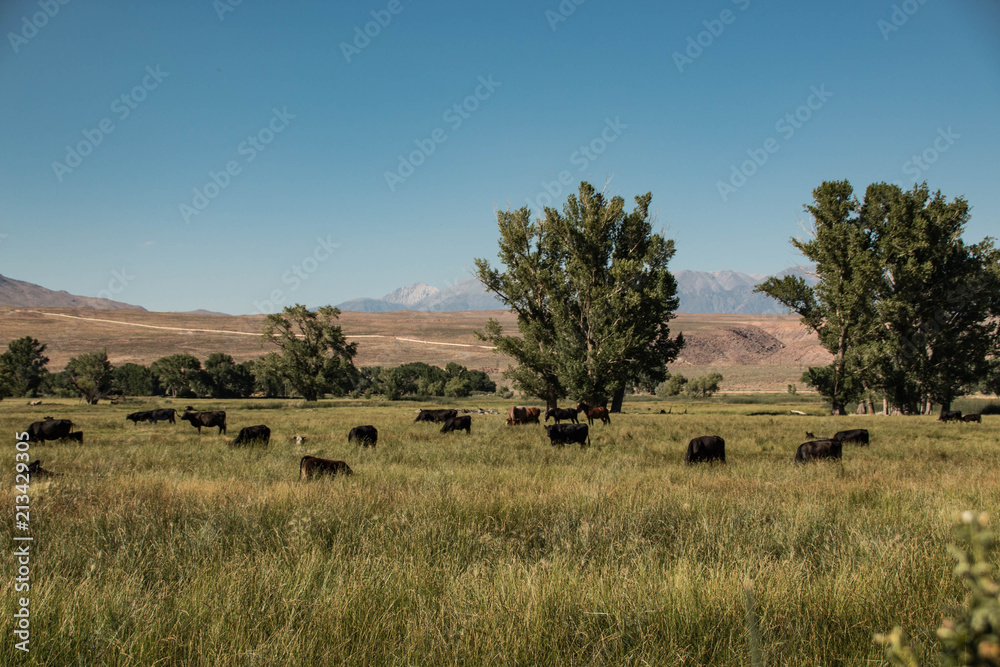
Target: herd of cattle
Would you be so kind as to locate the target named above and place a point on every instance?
(708, 448)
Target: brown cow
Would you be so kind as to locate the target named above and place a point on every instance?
(313, 466)
(594, 413)
(520, 414)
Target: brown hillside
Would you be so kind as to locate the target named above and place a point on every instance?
(753, 352)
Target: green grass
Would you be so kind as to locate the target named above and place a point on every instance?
(157, 546)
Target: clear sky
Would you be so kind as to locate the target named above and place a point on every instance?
(199, 154)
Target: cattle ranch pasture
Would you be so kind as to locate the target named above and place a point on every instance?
(160, 546)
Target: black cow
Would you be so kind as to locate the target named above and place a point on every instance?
(435, 415)
(35, 468)
(974, 417)
(706, 448)
(50, 429)
(560, 434)
(950, 415)
(858, 435)
(366, 436)
(819, 449)
(207, 419)
(252, 435)
(163, 415)
(137, 417)
(312, 466)
(458, 424)
(560, 414)
(76, 435)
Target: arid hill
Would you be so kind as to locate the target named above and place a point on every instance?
(753, 352)
(21, 293)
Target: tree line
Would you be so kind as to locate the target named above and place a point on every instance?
(91, 376)
(909, 310)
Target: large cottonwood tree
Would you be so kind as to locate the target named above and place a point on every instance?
(314, 356)
(592, 294)
(906, 307)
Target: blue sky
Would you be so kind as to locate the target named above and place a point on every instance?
(200, 154)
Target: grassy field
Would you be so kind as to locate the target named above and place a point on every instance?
(157, 546)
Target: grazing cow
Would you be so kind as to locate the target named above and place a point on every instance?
(137, 417)
(35, 468)
(706, 448)
(463, 423)
(34, 403)
(207, 419)
(858, 435)
(818, 449)
(435, 415)
(520, 414)
(974, 417)
(76, 435)
(560, 434)
(594, 413)
(950, 415)
(515, 416)
(50, 429)
(252, 435)
(312, 466)
(560, 414)
(366, 436)
(163, 415)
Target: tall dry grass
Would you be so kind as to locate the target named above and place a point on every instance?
(157, 546)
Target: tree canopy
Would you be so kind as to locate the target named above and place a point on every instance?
(90, 374)
(314, 356)
(592, 294)
(22, 367)
(905, 306)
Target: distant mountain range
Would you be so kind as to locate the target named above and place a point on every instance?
(699, 291)
(21, 293)
(731, 291)
(467, 294)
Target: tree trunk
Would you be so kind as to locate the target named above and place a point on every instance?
(617, 399)
(838, 410)
(551, 401)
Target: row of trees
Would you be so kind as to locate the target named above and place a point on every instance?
(92, 376)
(908, 309)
